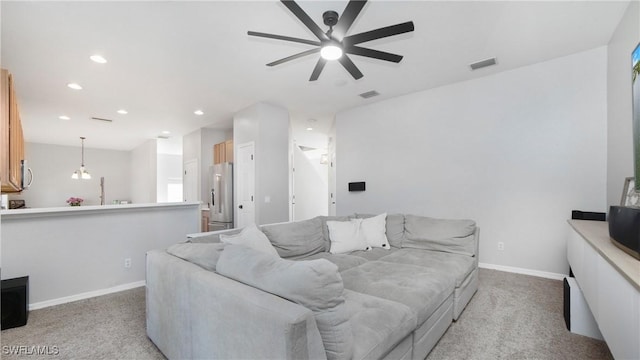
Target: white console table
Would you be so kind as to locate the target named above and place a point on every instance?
(610, 282)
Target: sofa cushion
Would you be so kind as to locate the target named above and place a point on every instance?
(346, 236)
(252, 237)
(343, 261)
(459, 266)
(373, 254)
(454, 236)
(394, 228)
(421, 289)
(298, 239)
(378, 324)
(211, 237)
(314, 284)
(204, 255)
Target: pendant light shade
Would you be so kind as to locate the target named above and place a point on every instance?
(82, 173)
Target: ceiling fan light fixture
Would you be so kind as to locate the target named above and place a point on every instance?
(331, 52)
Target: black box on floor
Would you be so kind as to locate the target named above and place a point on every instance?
(15, 302)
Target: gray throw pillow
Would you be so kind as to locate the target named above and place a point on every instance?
(205, 255)
(453, 236)
(314, 284)
(296, 240)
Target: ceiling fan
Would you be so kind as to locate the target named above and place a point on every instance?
(334, 44)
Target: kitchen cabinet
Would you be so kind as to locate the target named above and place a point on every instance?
(204, 221)
(12, 143)
(223, 152)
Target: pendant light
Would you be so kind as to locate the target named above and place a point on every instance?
(82, 173)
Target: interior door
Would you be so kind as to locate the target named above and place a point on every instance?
(246, 170)
(191, 187)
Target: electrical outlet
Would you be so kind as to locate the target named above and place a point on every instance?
(127, 263)
(500, 246)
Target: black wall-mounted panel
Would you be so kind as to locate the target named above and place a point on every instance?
(357, 186)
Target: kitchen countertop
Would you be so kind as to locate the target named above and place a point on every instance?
(89, 209)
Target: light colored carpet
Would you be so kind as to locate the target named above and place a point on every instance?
(511, 317)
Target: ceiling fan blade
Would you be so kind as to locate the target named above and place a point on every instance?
(347, 18)
(379, 33)
(350, 66)
(293, 57)
(318, 69)
(285, 38)
(306, 20)
(380, 55)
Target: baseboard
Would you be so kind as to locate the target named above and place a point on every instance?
(542, 274)
(86, 295)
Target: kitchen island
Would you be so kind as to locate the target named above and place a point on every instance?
(76, 252)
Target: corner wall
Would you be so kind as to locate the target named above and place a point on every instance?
(268, 127)
(144, 172)
(515, 151)
(619, 109)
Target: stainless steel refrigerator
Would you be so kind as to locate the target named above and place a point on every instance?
(221, 201)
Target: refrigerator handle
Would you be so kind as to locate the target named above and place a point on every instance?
(213, 197)
(222, 191)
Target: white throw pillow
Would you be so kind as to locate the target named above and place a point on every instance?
(346, 236)
(251, 237)
(374, 230)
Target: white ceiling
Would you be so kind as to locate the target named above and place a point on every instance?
(167, 59)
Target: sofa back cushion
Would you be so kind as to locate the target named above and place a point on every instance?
(297, 239)
(314, 284)
(252, 237)
(453, 236)
(394, 228)
(205, 255)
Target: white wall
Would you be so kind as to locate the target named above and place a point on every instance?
(515, 151)
(169, 172)
(268, 127)
(144, 172)
(53, 165)
(82, 251)
(619, 109)
(311, 184)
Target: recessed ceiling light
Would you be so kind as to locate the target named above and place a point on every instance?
(199, 112)
(74, 86)
(309, 128)
(99, 59)
(123, 112)
(64, 117)
(166, 132)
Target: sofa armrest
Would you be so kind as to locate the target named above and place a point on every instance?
(225, 319)
(231, 320)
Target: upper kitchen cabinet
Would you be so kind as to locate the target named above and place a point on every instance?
(12, 139)
(223, 152)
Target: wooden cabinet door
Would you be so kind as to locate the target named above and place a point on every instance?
(12, 137)
(228, 145)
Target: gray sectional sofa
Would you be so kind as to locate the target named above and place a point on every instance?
(207, 299)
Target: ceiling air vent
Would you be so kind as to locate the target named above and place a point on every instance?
(369, 94)
(163, 137)
(482, 63)
(101, 119)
